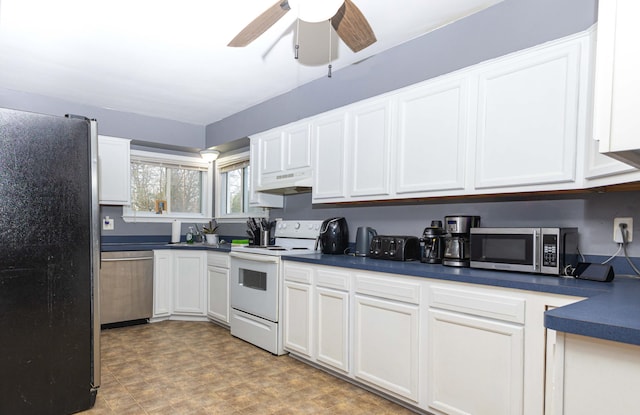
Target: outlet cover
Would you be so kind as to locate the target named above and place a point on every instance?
(107, 224)
(617, 235)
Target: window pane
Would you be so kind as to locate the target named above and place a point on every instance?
(234, 191)
(148, 183)
(185, 195)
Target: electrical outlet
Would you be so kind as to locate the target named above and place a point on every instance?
(617, 235)
(107, 224)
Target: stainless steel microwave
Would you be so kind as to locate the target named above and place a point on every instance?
(535, 250)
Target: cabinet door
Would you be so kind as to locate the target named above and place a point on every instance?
(333, 328)
(162, 277)
(386, 345)
(330, 146)
(218, 301)
(271, 153)
(476, 365)
(297, 146)
(370, 160)
(528, 120)
(598, 376)
(189, 283)
(256, 198)
(432, 137)
(297, 318)
(114, 170)
(617, 87)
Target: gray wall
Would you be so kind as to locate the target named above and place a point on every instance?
(506, 27)
(147, 130)
(591, 213)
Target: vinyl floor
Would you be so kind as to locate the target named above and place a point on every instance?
(180, 368)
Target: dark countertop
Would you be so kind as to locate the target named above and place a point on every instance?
(611, 310)
(149, 246)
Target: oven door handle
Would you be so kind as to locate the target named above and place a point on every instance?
(254, 257)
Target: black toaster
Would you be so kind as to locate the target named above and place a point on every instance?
(397, 248)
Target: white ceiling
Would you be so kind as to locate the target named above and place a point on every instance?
(169, 59)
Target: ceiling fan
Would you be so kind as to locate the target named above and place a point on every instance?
(348, 22)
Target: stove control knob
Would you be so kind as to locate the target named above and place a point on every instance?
(310, 226)
(283, 226)
(297, 225)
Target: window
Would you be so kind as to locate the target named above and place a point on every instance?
(233, 184)
(165, 187)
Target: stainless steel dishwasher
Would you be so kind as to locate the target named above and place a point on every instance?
(126, 286)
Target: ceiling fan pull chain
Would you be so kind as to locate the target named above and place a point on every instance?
(329, 74)
(297, 38)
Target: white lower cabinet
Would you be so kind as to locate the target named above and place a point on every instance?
(189, 284)
(596, 376)
(298, 325)
(180, 285)
(162, 278)
(332, 307)
(443, 347)
(386, 345)
(476, 365)
(475, 351)
(218, 287)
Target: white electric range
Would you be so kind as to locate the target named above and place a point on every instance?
(256, 283)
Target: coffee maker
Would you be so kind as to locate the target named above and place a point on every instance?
(456, 241)
(432, 243)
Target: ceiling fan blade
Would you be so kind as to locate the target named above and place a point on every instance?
(260, 24)
(352, 27)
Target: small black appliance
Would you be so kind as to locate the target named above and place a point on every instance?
(432, 243)
(396, 248)
(334, 236)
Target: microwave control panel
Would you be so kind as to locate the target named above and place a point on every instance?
(550, 250)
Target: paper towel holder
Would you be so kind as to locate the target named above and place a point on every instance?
(176, 226)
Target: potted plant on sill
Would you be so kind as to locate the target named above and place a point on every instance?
(210, 232)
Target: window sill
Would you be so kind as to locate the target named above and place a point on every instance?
(163, 219)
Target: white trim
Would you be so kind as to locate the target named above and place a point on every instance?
(169, 158)
(131, 216)
(235, 218)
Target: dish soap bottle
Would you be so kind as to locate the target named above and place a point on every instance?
(189, 236)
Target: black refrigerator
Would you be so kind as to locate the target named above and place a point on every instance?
(49, 264)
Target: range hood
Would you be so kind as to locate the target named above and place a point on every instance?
(287, 183)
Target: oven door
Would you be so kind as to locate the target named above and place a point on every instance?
(254, 284)
(509, 249)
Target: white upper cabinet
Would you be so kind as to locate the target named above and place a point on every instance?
(271, 154)
(256, 198)
(329, 134)
(370, 136)
(617, 84)
(282, 157)
(431, 139)
(518, 123)
(528, 119)
(297, 147)
(114, 170)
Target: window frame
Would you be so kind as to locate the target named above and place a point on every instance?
(132, 216)
(253, 212)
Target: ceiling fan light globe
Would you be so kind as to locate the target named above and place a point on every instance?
(314, 11)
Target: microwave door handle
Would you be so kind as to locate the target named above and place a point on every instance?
(536, 250)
